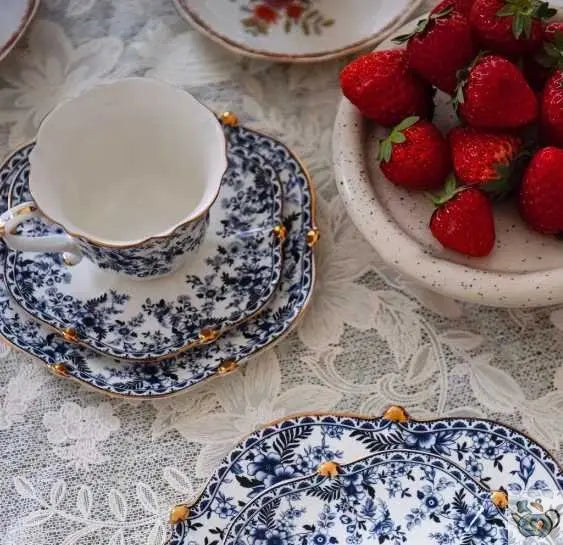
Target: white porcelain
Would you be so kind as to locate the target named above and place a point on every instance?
(15, 16)
(129, 169)
(296, 30)
(525, 269)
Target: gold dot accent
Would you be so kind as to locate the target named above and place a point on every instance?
(68, 261)
(208, 335)
(500, 498)
(70, 335)
(229, 118)
(228, 366)
(281, 232)
(59, 369)
(396, 414)
(179, 513)
(26, 210)
(313, 237)
(329, 469)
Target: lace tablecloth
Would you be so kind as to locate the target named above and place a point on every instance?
(77, 467)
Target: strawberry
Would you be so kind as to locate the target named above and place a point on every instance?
(415, 155)
(461, 6)
(510, 27)
(539, 67)
(541, 193)
(439, 46)
(493, 94)
(551, 116)
(463, 220)
(486, 159)
(380, 85)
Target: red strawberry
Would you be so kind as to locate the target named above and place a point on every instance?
(511, 27)
(415, 155)
(464, 220)
(380, 85)
(539, 67)
(462, 6)
(551, 117)
(439, 46)
(541, 194)
(552, 29)
(482, 158)
(493, 94)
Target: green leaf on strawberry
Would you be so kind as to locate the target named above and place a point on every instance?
(523, 12)
(422, 25)
(552, 54)
(448, 192)
(396, 136)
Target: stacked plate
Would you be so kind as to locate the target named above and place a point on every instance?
(316, 480)
(248, 284)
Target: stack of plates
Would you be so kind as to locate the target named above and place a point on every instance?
(320, 480)
(245, 289)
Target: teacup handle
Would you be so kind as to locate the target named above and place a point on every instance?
(50, 243)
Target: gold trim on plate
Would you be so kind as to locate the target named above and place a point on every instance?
(396, 413)
(59, 369)
(229, 119)
(329, 469)
(179, 513)
(227, 367)
(70, 335)
(281, 232)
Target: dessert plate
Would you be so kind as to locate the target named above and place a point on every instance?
(234, 348)
(525, 269)
(295, 30)
(231, 277)
(292, 451)
(16, 16)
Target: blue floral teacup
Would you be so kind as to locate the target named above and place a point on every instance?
(129, 171)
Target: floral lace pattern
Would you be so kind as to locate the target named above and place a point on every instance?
(369, 339)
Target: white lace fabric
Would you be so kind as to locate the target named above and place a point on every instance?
(77, 467)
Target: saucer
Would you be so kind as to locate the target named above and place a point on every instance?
(16, 16)
(295, 30)
(235, 347)
(231, 277)
(299, 455)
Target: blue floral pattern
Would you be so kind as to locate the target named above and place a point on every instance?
(356, 507)
(233, 276)
(154, 257)
(186, 370)
(295, 448)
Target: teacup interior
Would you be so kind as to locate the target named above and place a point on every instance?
(127, 160)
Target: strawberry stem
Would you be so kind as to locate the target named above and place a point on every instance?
(422, 25)
(523, 13)
(448, 192)
(396, 136)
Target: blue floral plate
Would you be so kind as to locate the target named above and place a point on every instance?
(235, 347)
(346, 479)
(230, 279)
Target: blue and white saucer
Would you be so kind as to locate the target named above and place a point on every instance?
(178, 373)
(344, 479)
(231, 278)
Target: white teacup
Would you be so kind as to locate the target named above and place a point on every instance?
(129, 170)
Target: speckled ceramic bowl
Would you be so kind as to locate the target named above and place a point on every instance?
(524, 270)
